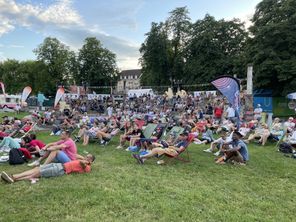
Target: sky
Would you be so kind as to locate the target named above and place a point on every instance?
(119, 24)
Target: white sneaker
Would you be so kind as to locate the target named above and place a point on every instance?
(217, 153)
(208, 150)
(35, 163)
(159, 162)
(51, 134)
(6, 149)
(119, 147)
(6, 177)
(197, 142)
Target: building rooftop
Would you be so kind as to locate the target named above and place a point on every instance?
(130, 72)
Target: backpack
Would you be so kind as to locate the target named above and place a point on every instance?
(285, 148)
(16, 156)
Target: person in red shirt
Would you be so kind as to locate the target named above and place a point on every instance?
(218, 112)
(81, 165)
(2, 132)
(33, 145)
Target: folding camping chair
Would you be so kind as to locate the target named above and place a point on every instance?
(149, 129)
(178, 157)
(175, 131)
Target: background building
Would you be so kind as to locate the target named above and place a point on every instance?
(128, 79)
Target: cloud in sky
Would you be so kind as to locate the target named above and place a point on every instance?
(62, 20)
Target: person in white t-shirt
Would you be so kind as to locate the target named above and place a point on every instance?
(257, 112)
(219, 142)
(110, 111)
(230, 113)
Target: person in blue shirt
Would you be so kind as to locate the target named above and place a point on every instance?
(237, 151)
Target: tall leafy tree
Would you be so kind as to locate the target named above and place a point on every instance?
(215, 48)
(16, 75)
(58, 59)
(97, 65)
(155, 60)
(178, 27)
(272, 47)
(162, 57)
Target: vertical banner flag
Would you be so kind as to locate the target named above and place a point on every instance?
(59, 95)
(26, 92)
(3, 88)
(230, 88)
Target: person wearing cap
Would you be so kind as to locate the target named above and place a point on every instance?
(257, 112)
(236, 151)
(171, 150)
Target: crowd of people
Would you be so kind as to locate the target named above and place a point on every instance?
(146, 126)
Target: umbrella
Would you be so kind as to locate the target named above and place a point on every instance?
(292, 95)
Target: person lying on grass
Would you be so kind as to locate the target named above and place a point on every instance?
(170, 150)
(235, 152)
(81, 165)
(62, 151)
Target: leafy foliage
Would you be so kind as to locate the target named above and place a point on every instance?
(97, 65)
(272, 46)
(192, 53)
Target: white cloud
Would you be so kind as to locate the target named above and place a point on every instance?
(60, 13)
(60, 19)
(15, 46)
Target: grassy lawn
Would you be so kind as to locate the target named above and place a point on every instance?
(118, 189)
(13, 114)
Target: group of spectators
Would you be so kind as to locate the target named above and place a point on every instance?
(206, 119)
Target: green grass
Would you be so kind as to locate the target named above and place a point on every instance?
(13, 114)
(118, 189)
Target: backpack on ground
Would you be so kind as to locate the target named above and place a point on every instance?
(16, 156)
(285, 148)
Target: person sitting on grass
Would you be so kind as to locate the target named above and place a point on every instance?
(62, 151)
(235, 152)
(208, 134)
(218, 143)
(81, 165)
(33, 145)
(105, 134)
(170, 150)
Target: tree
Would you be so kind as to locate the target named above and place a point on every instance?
(97, 65)
(162, 56)
(17, 75)
(178, 26)
(155, 60)
(272, 47)
(59, 60)
(215, 48)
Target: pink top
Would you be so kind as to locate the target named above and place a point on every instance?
(70, 149)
